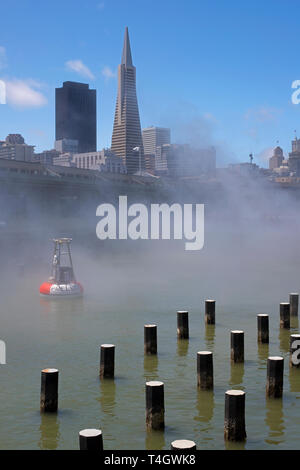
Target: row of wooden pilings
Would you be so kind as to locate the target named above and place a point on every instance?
(234, 421)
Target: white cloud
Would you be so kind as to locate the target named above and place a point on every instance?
(265, 154)
(210, 117)
(3, 63)
(108, 73)
(262, 114)
(24, 94)
(79, 67)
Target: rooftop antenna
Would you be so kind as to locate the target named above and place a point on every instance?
(295, 134)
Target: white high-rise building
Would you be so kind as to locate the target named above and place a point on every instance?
(154, 137)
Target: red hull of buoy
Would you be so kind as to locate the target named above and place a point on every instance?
(61, 290)
(45, 288)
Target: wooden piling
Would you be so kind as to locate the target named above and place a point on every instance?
(234, 424)
(262, 328)
(237, 346)
(294, 303)
(90, 439)
(49, 390)
(294, 347)
(150, 339)
(107, 361)
(182, 324)
(210, 312)
(274, 377)
(155, 407)
(183, 444)
(284, 315)
(205, 378)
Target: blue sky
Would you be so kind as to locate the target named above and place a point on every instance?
(217, 72)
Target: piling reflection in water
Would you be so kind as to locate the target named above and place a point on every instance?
(155, 440)
(151, 367)
(108, 396)
(294, 380)
(275, 421)
(284, 340)
(263, 354)
(294, 323)
(237, 374)
(182, 347)
(49, 431)
(205, 406)
(210, 333)
(230, 445)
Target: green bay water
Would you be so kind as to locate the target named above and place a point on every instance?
(246, 271)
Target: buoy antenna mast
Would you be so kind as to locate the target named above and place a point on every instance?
(62, 266)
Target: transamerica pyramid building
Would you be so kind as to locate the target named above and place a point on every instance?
(127, 140)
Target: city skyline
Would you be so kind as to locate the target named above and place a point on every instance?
(223, 80)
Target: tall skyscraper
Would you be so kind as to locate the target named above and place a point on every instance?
(75, 115)
(127, 140)
(155, 137)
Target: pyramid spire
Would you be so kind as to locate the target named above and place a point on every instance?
(127, 135)
(126, 56)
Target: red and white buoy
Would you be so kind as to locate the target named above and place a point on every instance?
(62, 282)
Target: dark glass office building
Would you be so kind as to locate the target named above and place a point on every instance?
(75, 115)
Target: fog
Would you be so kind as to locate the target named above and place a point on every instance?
(249, 263)
(250, 251)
